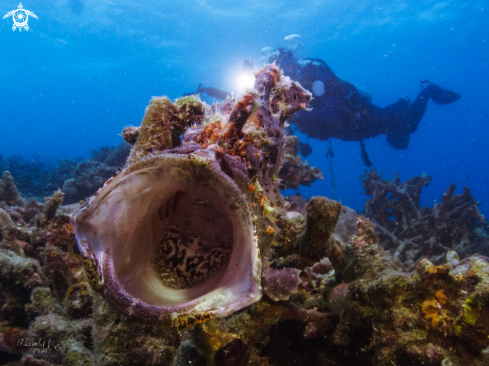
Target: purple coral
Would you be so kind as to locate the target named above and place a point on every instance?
(280, 284)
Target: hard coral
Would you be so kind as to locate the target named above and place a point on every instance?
(163, 123)
(322, 216)
(411, 232)
(280, 284)
(102, 153)
(89, 176)
(52, 204)
(20, 271)
(120, 341)
(293, 172)
(9, 192)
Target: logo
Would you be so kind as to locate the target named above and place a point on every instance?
(20, 17)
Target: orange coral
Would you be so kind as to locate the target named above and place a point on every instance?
(439, 270)
(472, 274)
(210, 134)
(440, 296)
(434, 313)
(270, 230)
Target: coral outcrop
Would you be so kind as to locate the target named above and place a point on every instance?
(293, 172)
(173, 238)
(411, 232)
(30, 176)
(90, 175)
(77, 179)
(9, 192)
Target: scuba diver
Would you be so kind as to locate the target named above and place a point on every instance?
(340, 111)
(210, 91)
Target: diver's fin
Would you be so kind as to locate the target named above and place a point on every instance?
(439, 95)
(399, 142)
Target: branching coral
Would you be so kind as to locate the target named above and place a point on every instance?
(411, 231)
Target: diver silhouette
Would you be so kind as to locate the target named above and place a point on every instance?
(340, 111)
(210, 91)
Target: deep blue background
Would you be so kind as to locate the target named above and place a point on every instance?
(86, 69)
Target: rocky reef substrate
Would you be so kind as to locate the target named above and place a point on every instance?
(339, 288)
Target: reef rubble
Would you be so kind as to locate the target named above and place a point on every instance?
(325, 285)
(455, 227)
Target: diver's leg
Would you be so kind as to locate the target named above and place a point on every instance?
(439, 95)
(418, 107)
(403, 118)
(397, 121)
(416, 111)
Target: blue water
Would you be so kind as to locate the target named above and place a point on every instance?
(86, 69)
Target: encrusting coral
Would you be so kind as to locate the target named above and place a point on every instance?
(293, 172)
(332, 295)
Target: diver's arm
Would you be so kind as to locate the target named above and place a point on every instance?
(213, 92)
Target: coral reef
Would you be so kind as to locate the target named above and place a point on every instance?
(293, 172)
(64, 170)
(334, 290)
(30, 176)
(191, 203)
(45, 299)
(411, 232)
(77, 179)
(9, 192)
(88, 176)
